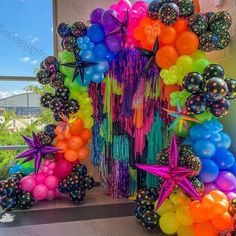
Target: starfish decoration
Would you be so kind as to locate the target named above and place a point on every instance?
(36, 151)
(172, 175)
(121, 25)
(66, 122)
(150, 55)
(79, 65)
(181, 118)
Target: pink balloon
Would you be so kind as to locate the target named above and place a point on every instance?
(226, 181)
(113, 7)
(45, 169)
(140, 4)
(59, 155)
(28, 183)
(50, 172)
(231, 195)
(40, 192)
(52, 165)
(63, 168)
(51, 182)
(124, 5)
(40, 178)
(46, 163)
(51, 195)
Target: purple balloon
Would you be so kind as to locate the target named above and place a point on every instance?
(96, 15)
(108, 22)
(113, 42)
(226, 181)
(209, 187)
(231, 195)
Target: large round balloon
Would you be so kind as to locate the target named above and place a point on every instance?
(193, 82)
(220, 108)
(209, 172)
(196, 104)
(168, 13)
(214, 70)
(231, 84)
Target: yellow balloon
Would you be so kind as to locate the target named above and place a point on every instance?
(183, 215)
(172, 79)
(86, 110)
(88, 122)
(185, 63)
(185, 231)
(173, 69)
(168, 223)
(164, 73)
(165, 207)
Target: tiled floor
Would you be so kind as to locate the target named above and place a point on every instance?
(98, 215)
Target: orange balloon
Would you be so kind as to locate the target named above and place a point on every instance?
(168, 35)
(75, 142)
(166, 56)
(62, 144)
(139, 33)
(71, 155)
(58, 130)
(77, 127)
(145, 45)
(180, 25)
(223, 222)
(198, 212)
(205, 229)
(208, 201)
(218, 195)
(220, 207)
(187, 43)
(146, 21)
(197, 6)
(86, 134)
(83, 153)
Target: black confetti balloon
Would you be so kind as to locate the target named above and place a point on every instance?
(12, 186)
(57, 116)
(80, 169)
(64, 30)
(50, 130)
(150, 220)
(88, 182)
(9, 203)
(57, 80)
(232, 207)
(208, 41)
(139, 212)
(18, 175)
(25, 200)
(220, 108)
(51, 64)
(197, 184)
(231, 84)
(186, 7)
(215, 89)
(77, 195)
(72, 106)
(46, 99)
(223, 40)
(43, 76)
(208, 15)
(193, 82)
(168, 13)
(220, 22)
(75, 181)
(63, 93)
(196, 104)
(63, 186)
(214, 70)
(69, 43)
(153, 193)
(78, 29)
(145, 199)
(56, 105)
(153, 9)
(197, 23)
(44, 138)
(49, 156)
(3, 191)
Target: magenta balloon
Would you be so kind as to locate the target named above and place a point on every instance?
(40, 178)
(51, 182)
(51, 195)
(140, 4)
(108, 22)
(40, 192)
(231, 195)
(226, 181)
(209, 187)
(124, 5)
(96, 15)
(113, 42)
(27, 183)
(63, 168)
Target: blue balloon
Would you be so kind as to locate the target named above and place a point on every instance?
(214, 125)
(98, 78)
(15, 168)
(204, 149)
(102, 66)
(209, 172)
(100, 50)
(110, 56)
(96, 33)
(188, 141)
(232, 169)
(198, 132)
(224, 158)
(215, 137)
(87, 55)
(225, 140)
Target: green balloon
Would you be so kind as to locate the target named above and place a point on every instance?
(184, 132)
(206, 116)
(199, 65)
(179, 97)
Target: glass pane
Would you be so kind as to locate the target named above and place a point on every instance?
(26, 35)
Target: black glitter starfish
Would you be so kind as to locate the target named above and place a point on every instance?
(79, 65)
(150, 55)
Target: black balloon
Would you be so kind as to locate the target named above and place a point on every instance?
(72, 106)
(44, 138)
(186, 7)
(12, 186)
(63, 186)
(145, 199)
(46, 99)
(231, 84)
(197, 23)
(197, 184)
(214, 70)
(196, 104)
(49, 156)
(57, 80)
(51, 64)
(168, 13)
(50, 130)
(80, 169)
(25, 200)
(69, 43)
(78, 29)
(77, 195)
(43, 76)
(215, 89)
(150, 220)
(223, 40)
(75, 181)
(18, 175)
(88, 182)
(9, 203)
(220, 108)
(208, 41)
(139, 212)
(193, 82)
(153, 9)
(57, 105)
(232, 207)
(64, 30)
(153, 193)
(63, 93)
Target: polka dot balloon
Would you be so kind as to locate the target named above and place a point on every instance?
(168, 13)
(193, 82)
(196, 104)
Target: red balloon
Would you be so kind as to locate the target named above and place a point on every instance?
(63, 168)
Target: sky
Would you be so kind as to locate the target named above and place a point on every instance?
(26, 38)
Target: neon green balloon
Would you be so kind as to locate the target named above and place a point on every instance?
(179, 97)
(164, 73)
(66, 57)
(168, 223)
(166, 206)
(172, 79)
(199, 65)
(185, 63)
(206, 116)
(198, 55)
(183, 132)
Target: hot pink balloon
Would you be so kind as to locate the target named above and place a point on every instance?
(51, 195)
(40, 178)
(63, 168)
(40, 192)
(51, 182)
(124, 5)
(140, 4)
(52, 165)
(231, 195)
(28, 183)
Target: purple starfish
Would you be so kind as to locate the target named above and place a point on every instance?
(173, 175)
(36, 151)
